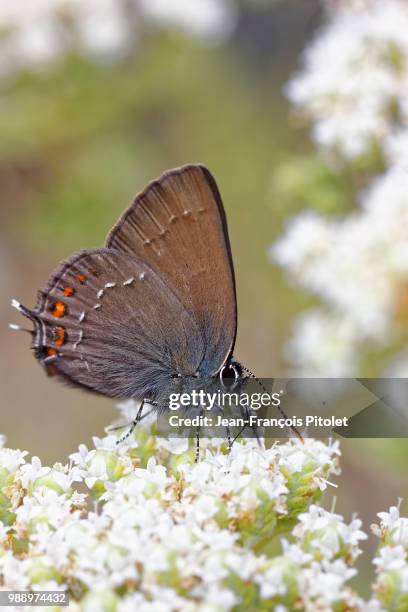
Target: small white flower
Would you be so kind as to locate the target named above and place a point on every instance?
(108, 443)
(391, 558)
(153, 473)
(81, 456)
(272, 582)
(390, 519)
(296, 553)
(175, 446)
(11, 460)
(128, 409)
(3, 531)
(96, 470)
(32, 471)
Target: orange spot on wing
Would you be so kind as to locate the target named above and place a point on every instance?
(59, 309)
(68, 291)
(61, 336)
(80, 278)
(51, 352)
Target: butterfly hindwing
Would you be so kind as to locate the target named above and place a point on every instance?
(107, 322)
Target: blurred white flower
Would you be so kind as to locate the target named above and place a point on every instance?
(354, 81)
(96, 470)
(323, 345)
(104, 27)
(3, 531)
(128, 409)
(296, 553)
(14, 571)
(326, 587)
(396, 148)
(36, 33)
(11, 459)
(390, 519)
(308, 238)
(362, 264)
(324, 534)
(353, 87)
(358, 266)
(177, 446)
(81, 456)
(212, 20)
(395, 525)
(391, 558)
(272, 581)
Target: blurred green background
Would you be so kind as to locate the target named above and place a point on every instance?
(78, 140)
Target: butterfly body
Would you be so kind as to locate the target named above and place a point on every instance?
(154, 311)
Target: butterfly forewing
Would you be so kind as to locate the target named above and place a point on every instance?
(107, 322)
(178, 227)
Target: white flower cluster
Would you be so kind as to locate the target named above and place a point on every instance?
(137, 526)
(354, 88)
(314, 566)
(35, 33)
(359, 267)
(391, 561)
(354, 85)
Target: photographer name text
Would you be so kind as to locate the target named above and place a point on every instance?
(252, 420)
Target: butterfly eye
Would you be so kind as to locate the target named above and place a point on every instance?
(229, 376)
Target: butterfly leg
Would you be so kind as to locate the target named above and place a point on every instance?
(238, 435)
(253, 427)
(229, 439)
(197, 453)
(117, 427)
(133, 424)
(241, 431)
(258, 439)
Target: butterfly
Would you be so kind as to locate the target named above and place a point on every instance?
(155, 306)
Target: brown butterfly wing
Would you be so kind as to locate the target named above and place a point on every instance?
(177, 225)
(108, 323)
